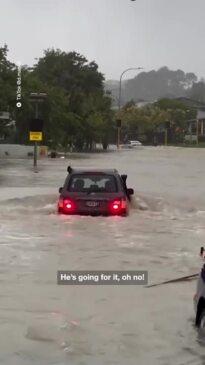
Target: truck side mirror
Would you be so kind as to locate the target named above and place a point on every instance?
(124, 178)
(69, 169)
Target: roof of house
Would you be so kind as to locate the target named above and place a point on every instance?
(200, 116)
(191, 102)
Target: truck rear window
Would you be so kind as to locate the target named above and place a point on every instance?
(92, 183)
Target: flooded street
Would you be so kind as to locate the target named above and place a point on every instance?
(42, 323)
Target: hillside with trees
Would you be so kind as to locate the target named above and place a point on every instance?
(154, 85)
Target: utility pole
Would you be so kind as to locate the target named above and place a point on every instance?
(35, 155)
(165, 137)
(119, 101)
(119, 124)
(118, 137)
(197, 131)
(167, 126)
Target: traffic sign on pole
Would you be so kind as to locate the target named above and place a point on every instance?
(35, 136)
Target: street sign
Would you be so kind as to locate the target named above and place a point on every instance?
(38, 97)
(35, 136)
(36, 125)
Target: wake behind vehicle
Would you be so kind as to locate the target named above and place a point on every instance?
(94, 192)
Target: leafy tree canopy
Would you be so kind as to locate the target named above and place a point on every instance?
(76, 112)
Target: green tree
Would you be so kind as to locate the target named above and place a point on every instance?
(88, 109)
(76, 112)
(7, 81)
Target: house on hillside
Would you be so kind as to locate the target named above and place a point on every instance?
(196, 128)
(138, 104)
(190, 103)
(143, 103)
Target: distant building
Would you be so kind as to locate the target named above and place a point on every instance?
(137, 104)
(143, 103)
(195, 127)
(190, 103)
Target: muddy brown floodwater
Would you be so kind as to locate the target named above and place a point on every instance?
(42, 323)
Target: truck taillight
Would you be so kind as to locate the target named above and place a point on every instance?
(115, 206)
(66, 205)
(123, 204)
(118, 205)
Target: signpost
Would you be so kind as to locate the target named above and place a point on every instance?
(167, 126)
(36, 125)
(197, 131)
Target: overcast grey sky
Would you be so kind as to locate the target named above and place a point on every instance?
(117, 34)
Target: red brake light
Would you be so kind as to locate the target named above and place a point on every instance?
(66, 205)
(118, 205)
(69, 205)
(115, 206)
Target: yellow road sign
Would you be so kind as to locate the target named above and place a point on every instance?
(35, 136)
